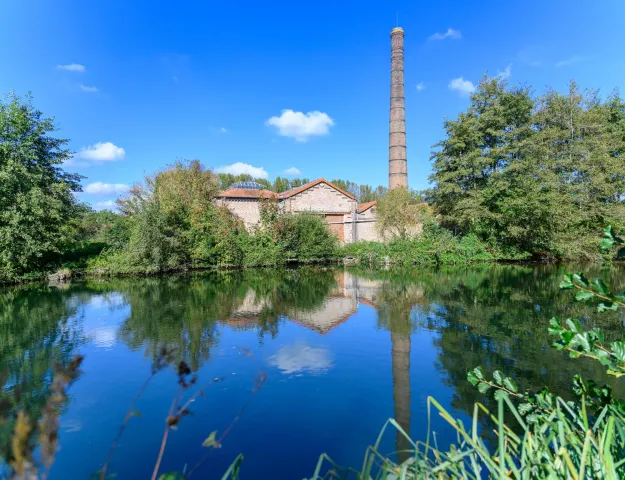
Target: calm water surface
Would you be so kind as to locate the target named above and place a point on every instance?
(343, 350)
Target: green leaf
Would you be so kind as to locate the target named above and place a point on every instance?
(554, 326)
(510, 384)
(574, 325)
(500, 394)
(600, 287)
(498, 376)
(608, 232)
(524, 408)
(567, 337)
(567, 282)
(604, 357)
(607, 243)
(580, 279)
(618, 348)
(211, 441)
(479, 373)
(483, 387)
(134, 413)
(581, 340)
(583, 295)
(605, 306)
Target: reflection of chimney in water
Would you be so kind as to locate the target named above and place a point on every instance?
(401, 392)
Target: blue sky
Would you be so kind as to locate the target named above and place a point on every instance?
(138, 84)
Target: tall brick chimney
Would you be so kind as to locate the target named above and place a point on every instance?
(397, 161)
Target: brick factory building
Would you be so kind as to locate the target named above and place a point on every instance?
(347, 218)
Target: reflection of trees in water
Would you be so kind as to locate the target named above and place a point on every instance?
(497, 316)
(184, 312)
(38, 329)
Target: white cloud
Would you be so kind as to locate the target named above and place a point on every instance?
(240, 167)
(72, 67)
(301, 126)
(86, 88)
(465, 87)
(506, 73)
(102, 152)
(223, 130)
(301, 358)
(450, 33)
(571, 61)
(99, 188)
(105, 205)
(292, 171)
(420, 86)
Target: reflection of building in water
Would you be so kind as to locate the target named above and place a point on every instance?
(341, 303)
(334, 311)
(247, 315)
(393, 303)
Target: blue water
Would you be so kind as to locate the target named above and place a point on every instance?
(342, 351)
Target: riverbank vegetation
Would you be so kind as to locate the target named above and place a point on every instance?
(518, 176)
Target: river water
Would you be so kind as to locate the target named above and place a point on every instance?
(308, 361)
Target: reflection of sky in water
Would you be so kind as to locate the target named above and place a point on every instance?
(301, 357)
(104, 336)
(106, 301)
(102, 316)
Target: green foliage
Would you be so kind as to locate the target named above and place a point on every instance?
(401, 213)
(36, 195)
(434, 245)
(173, 223)
(541, 174)
(305, 238)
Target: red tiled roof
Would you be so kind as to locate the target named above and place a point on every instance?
(363, 207)
(295, 191)
(247, 193)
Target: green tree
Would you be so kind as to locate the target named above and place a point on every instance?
(532, 172)
(401, 213)
(36, 194)
(281, 184)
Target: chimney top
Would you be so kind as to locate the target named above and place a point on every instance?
(397, 30)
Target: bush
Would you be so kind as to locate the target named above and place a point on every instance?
(305, 238)
(434, 245)
(170, 227)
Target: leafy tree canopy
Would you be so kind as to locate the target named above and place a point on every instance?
(36, 194)
(532, 171)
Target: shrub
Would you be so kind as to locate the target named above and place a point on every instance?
(305, 237)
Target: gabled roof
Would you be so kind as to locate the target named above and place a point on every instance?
(295, 191)
(247, 193)
(254, 193)
(363, 207)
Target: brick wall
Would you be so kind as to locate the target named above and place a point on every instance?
(320, 198)
(247, 209)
